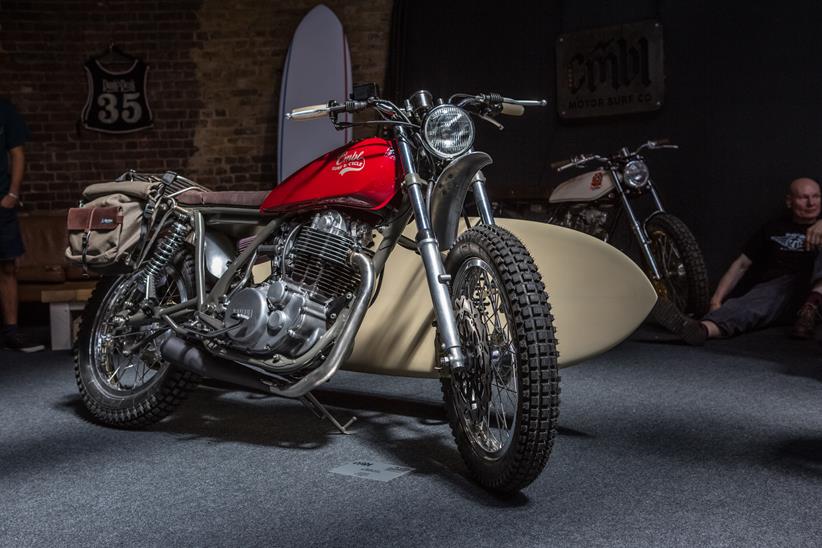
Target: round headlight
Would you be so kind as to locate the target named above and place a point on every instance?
(448, 131)
(635, 174)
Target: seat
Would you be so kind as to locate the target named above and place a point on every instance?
(241, 198)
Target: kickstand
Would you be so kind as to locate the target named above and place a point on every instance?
(319, 410)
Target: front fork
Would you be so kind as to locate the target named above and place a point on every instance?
(639, 229)
(438, 279)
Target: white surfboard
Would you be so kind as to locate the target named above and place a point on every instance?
(317, 69)
(598, 297)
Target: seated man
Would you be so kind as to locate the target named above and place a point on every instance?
(782, 264)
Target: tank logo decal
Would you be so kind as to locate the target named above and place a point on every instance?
(596, 180)
(349, 161)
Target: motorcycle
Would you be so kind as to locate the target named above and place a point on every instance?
(594, 201)
(189, 304)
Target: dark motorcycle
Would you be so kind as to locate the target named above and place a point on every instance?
(594, 201)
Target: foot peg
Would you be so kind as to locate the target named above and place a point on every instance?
(320, 411)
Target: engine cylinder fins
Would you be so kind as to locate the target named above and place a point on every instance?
(319, 259)
(326, 245)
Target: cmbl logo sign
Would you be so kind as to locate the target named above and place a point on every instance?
(349, 161)
(609, 71)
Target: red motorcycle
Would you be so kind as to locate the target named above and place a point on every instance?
(185, 302)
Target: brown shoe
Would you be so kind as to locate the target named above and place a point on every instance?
(805, 323)
(667, 315)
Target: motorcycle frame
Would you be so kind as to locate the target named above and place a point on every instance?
(436, 213)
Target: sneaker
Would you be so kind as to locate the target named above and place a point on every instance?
(21, 343)
(805, 322)
(686, 328)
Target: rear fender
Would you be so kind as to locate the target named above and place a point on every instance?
(448, 195)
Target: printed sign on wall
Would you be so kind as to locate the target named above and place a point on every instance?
(611, 70)
(117, 101)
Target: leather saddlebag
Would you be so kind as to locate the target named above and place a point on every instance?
(105, 231)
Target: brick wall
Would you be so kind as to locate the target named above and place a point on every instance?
(213, 85)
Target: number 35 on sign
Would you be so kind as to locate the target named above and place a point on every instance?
(117, 101)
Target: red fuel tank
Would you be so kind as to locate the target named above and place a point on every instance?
(360, 175)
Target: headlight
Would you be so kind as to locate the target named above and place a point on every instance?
(447, 131)
(635, 174)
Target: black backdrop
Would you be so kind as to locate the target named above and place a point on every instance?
(742, 93)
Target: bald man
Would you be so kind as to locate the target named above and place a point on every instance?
(786, 270)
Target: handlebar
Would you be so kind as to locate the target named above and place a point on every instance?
(308, 113)
(504, 105)
(312, 112)
(621, 156)
(485, 105)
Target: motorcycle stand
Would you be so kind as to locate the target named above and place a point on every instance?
(320, 411)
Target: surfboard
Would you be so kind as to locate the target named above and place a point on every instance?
(317, 69)
(598, 297)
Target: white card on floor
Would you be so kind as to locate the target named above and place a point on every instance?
(378, 471)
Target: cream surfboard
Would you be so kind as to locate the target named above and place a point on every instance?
(598, 297)
(317, 69)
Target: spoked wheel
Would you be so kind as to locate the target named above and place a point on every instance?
(504, 405)
(680, 261)
(122, 378)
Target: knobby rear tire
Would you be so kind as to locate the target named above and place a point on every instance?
(533, 343)
(151, 403)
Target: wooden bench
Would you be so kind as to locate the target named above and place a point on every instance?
(62, 303)
(45, 276)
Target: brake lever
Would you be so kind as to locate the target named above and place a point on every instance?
(490, 121)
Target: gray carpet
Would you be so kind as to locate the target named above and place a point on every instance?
(660, 445)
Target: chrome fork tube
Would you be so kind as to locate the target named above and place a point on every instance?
(637, 228)
(481, 199)
(655, 196)
(429, 249)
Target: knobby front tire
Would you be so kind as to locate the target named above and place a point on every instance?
(680, 262)
(503, 410)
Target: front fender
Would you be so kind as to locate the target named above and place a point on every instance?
(448, 195)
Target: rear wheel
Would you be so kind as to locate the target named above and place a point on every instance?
(122, 378)
(681, 264)
(504, 406)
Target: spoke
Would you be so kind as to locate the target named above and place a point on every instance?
(113, 374)
(501, 415)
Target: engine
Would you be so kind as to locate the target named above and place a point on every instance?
(585, 218)
(310, 279)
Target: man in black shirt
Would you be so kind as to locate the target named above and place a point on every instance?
(784, 267)
(13, 134)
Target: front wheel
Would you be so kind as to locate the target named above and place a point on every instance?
(504, 406)
(681, 264)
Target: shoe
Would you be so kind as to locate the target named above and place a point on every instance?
(21, 343)
(805, 323)
(686, 328)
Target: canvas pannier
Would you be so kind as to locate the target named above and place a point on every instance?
(104, 232)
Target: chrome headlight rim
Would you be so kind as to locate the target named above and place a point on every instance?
(430, 147)
(636, 174)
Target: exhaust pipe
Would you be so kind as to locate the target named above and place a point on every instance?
(190, 358)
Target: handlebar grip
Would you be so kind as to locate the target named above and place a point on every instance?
(311, 112)
(510, 109)
(558, 164)
(663, 141)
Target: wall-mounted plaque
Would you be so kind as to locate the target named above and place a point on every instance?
(611, 70)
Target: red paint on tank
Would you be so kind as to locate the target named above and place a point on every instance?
(361, 175)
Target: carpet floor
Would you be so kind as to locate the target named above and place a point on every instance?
(659, 445)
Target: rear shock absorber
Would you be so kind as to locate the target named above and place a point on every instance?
(166, 248)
